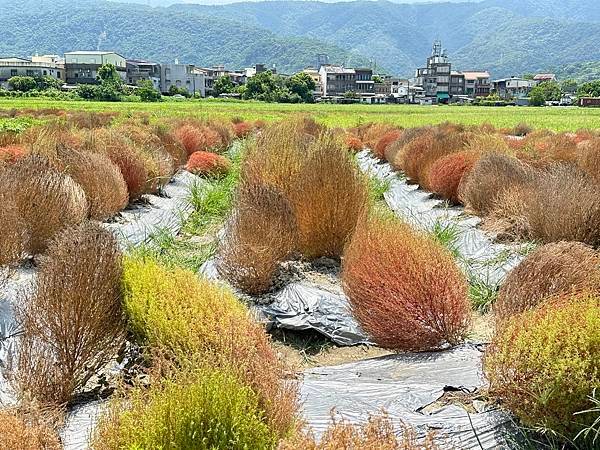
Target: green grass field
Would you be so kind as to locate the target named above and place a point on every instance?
(558, 119)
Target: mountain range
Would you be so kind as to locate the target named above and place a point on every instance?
(506, 37)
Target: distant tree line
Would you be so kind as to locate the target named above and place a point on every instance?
(269, 87)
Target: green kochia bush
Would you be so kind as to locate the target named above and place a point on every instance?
(545, 363)
(198, 409)
(187, 318)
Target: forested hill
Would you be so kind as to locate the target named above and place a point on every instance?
(507, 37)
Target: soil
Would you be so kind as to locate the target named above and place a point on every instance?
(303, 350)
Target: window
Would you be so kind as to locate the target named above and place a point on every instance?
(58, 74)
(45, 72)
(13, 72)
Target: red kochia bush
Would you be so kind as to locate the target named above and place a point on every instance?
(196, 139)
(242, 129)
(353, 143)
(405, 289)
(12, 153)
(447, 172)
(206, 163)
(386, 140)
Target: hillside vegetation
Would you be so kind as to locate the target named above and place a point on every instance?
(507, 37)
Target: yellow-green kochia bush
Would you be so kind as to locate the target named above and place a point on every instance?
(187, 318)
(201, 409)
(545, 363)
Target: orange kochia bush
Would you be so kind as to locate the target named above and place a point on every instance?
(242, 129)
(447, 172)
(386, 140)
(353, 142)
(207, 163)
(196, 139)
(405, 289)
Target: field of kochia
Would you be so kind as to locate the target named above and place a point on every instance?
(557, 119)
(152, 233)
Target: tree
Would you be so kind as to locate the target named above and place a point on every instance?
(47, 82)
(22, 84)
(569, 86)
(590, 89)
(223, 85)
(377, 79)
(147, 92)
(546, 91)
(303, 86)
(528, 76)
(174, 90)
(86, 91)
(262, 86)
(107, 73)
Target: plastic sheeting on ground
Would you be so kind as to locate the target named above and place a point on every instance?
(404, 385)
(306, 305)
(166, 212)
(481, 258)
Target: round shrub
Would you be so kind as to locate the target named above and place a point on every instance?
(171, 145)
(47, 201)
(553, 269)
(10, 154)
(421, 153)
(159, 165)
(195, 139)
(72, 319)
(564, 205)
(188, 318)
(492, 175)
(132, 168)
(394, 153)
(100, 179)
(353, 143)
(326, 207)
(386, 140)
(447, 172)
(545, 363)
(261, 232)
(203, 409)
(405, 289)
(242, 129)
(208, 164)
(588, 157)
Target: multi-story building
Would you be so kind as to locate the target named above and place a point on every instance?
(513, 87)
(457, 84)
(336, 81)
(140, 70)
(82, 66)
(314, 75)
(435, 78)
(365, 86)
(38, 66)
(186, 76)
(477, 83)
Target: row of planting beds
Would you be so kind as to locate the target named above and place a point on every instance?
(308, 238)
